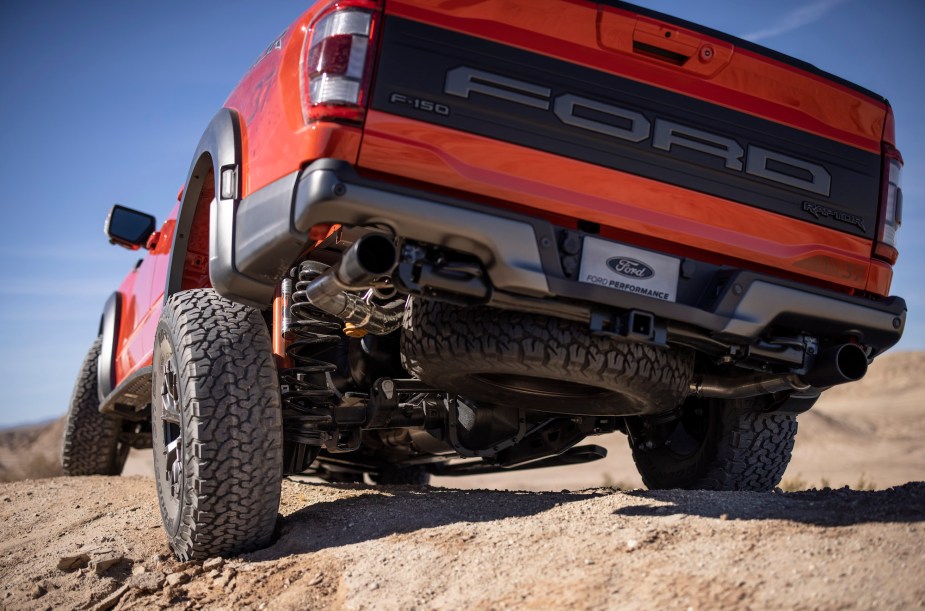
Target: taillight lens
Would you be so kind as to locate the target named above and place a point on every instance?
(891, 209)
(335, 64)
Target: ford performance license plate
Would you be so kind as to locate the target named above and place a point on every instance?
(629, 269)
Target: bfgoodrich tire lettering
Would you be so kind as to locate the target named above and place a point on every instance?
(217, 426)
(91, 440)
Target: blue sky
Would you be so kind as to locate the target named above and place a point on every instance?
(104, 102)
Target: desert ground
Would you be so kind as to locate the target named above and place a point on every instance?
(846, 531)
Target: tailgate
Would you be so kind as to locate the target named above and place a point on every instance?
(665, 135)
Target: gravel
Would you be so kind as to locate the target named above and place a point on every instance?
(403, 547)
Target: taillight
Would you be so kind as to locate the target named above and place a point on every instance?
(891, 205)
(336, 62)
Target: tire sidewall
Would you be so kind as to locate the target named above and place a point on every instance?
(742, 447)
(172, 519)
(664, 467)
(228, 422)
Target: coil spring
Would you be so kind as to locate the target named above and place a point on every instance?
(309, 395)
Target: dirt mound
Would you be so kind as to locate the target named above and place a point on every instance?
(399, 547)
(892, 373)
(361, 547)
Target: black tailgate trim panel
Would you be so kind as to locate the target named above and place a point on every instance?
(411, 81)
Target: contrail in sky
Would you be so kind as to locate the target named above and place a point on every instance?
(795, 20)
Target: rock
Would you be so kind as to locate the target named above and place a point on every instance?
(213, 564)
(112, 600)
(88, 555)
(103, 562)
(194, 572)
(317, 580)
(631, 544)
(138, 569)
(176, 579)
(147, 583)
(74, 561)
(37, 591)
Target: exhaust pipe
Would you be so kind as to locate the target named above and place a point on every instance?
(837, 365)
(715, 387)
(372, 256)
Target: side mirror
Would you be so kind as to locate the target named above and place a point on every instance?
(128, 228)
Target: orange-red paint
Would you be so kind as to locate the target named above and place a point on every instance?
(638, 210)
(276, 140)
(142, 302)
(750, 83)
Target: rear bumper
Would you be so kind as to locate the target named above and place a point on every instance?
(529, 262)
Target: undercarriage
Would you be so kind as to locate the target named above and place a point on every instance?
(371, 386)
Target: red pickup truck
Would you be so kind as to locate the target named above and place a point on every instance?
(428, 237)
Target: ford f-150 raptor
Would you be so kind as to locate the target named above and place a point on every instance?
(430, 237)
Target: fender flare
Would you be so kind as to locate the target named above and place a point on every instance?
(219, 150)
(109, 331)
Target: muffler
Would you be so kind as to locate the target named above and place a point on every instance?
(371, 257)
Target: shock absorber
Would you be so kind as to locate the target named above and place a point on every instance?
(308, 392)
(315, 309)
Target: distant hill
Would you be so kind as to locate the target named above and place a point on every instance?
(31, 451)
(864, 434)
(892, 373)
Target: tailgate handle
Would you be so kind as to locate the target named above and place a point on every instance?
(667, 44)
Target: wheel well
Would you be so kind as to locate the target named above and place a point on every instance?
(196, 263)
(109, 333)
(219, 149)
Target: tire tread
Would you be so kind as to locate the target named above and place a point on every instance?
(443, 343)
(232, 427)
(91, 439)
(747, 450)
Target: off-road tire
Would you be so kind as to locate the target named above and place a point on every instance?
(401, 476)
(548, 364)
(91, 443)
(734, 446)
(213, 361)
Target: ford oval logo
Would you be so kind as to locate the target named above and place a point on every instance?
(630, 267)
